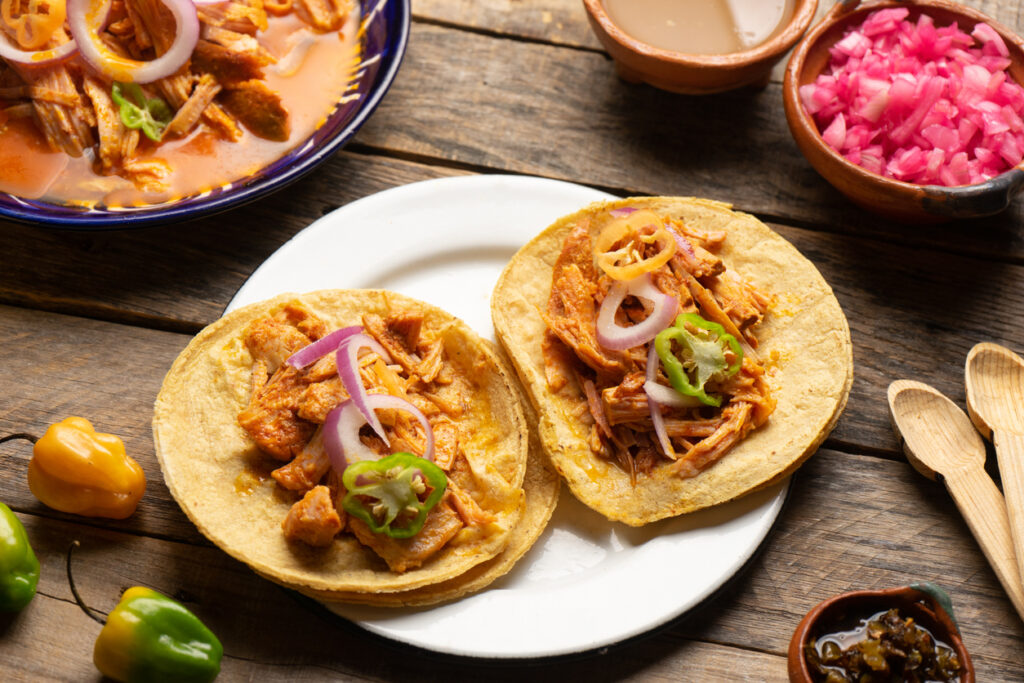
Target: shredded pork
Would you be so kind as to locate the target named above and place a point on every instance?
(287, 407)
(612, 382)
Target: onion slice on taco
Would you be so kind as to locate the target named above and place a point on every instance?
(270, 411)
(679, 354)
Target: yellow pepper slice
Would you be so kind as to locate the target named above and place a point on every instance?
(76, 469)
(631, 233)
(34, 28)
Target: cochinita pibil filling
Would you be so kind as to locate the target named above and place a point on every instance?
(661, 338)
(136, 102)
(365, 423)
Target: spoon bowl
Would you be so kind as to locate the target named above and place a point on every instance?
(935, 434)
(941, 443)
(995, 389)
(994, 376)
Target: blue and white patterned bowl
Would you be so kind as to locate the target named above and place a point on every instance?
(385, 35)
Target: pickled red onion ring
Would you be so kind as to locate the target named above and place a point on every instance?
(617, 338)
(667, 396)
(36, 57)
(624, 211)
(348, 370)
(655, 406)
(341, 430)
(86, 19)
(310, 354)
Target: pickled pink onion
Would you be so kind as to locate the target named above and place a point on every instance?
(86, 19)
(310, 354)
(341, 430)
(612, 336)
(920, 103)
(348, 371)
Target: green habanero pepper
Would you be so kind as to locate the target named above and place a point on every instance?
(19, 567)
(137, 111)
(400, 487)
(701, 355)
(150, 637)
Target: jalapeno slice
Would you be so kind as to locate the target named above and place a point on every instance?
(393, 495)
(702, 349)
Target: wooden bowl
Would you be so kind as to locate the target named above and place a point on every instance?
(681, 72)
(891, 198)
(841, 610)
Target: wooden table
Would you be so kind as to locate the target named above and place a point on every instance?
(90, 322)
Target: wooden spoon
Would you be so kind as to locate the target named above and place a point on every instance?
(995, 400)
(941, 444)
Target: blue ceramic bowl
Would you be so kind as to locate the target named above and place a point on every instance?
(385, 37)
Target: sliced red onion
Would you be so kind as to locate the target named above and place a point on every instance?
(624, 211)
(348, 371)
(667, 396)
(86, 19)
(655, 406)
(612, 336)
(341, 430)
(12, 53)
(310, 354)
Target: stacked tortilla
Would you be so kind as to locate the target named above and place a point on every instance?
(213, 469)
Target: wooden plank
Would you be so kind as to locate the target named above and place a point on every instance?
(566, 111)
(247, 614)
(181, 276)
(564, 22)
(559, 22)
(851, 522)
(110, 374)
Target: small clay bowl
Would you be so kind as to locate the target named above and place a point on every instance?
(891, 198)
(844, 611)
(681, 72)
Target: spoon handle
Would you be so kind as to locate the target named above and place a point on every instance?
(1010, 454)
(981, 504)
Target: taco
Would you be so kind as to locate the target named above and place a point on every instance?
(345, 442)
(679, 354)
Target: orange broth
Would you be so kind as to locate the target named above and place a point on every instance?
(310, 84)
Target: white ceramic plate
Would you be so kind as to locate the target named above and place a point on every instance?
(587, 582)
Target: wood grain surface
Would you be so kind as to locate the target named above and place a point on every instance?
(91, 321)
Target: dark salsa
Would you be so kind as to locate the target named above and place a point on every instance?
(884, 648)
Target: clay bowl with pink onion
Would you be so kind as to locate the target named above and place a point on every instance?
(696, 74)
(897, 199)
(927, 605)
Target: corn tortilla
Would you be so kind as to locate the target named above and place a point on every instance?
(221, 480)
(804, 342)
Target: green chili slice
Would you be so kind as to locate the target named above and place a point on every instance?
(151, 115)
(701, 355)
(394, 494)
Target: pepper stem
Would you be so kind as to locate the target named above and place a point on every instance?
(74, 590)
(20, 435)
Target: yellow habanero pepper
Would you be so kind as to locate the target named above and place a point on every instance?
(78, 470)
